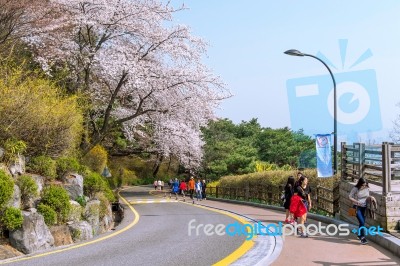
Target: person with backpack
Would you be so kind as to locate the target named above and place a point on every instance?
(358, 196)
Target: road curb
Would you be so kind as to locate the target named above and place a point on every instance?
(385, 240)
(253, 257)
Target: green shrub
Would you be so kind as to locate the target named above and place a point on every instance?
(92, 184)
(76, 213)
(68, 164)
(104, 204)
(81, 200)
(6, 189)
(28, 188)
(76, 234)
(109, 194)
(96, 159)
(12, 218)
(58, 199)
(43, 165)
(123, 177)
(12, 148)
(276, 178)
(95, 183)
(49, 215)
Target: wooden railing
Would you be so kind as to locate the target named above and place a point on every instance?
(324, 199)
(380, 164)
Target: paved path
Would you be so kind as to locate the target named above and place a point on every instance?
(315, 250)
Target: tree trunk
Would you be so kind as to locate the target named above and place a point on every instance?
(157, 165)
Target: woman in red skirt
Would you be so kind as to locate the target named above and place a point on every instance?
(299, 203)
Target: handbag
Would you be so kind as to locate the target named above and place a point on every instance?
(353, 211)
(283, 197)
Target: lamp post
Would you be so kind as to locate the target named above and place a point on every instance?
(298, 53)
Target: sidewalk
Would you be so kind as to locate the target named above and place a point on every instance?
(318, 249)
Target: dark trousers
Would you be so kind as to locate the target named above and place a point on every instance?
(361, 220)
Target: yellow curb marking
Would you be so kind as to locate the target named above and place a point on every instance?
(240, 251)
(135, 221)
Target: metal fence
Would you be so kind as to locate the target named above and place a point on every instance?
(325, 200)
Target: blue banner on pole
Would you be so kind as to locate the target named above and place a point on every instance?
(324, 156)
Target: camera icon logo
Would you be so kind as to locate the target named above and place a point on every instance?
(311, 103)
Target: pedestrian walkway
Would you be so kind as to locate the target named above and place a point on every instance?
(318, 249)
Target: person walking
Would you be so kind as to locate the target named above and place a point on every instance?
(289, 191)
(358, 195)
(183, 188)
(198, 188)
(191, 187)
(175, 188)
(300, 203)
(203, 189)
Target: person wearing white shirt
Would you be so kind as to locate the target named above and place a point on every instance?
(358, 196)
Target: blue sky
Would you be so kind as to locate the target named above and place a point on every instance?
(247, 40)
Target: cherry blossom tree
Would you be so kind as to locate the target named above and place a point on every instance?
(15, 20)
(137, 69)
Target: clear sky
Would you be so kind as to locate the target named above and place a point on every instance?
(359, 39)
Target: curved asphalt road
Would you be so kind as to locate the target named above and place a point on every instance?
(159, 237)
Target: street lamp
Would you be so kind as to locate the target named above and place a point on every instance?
(298, 53)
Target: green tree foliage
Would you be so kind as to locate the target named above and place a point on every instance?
(28, 188)
(6, 188)
(34, 110)
(229, 148)
(12, 218)
(57, 198)
(282, 146)
(96, 159)
(247, 147)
